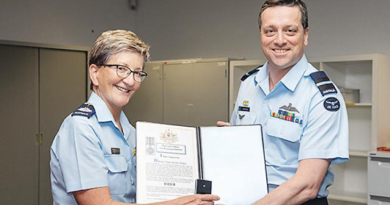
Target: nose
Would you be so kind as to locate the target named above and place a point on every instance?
(130, 80)
(280, 40)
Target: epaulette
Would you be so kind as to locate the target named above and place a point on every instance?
(244, 77)
(325, 88)
(86, 110)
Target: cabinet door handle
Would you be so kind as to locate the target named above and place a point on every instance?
(38, 139)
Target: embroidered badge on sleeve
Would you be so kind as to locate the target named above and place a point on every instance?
(86, 110)
(332, 104)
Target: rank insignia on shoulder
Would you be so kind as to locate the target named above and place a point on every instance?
(244, 77)
(86, 110)
(319, 76)
(326, 88)
(332, 104)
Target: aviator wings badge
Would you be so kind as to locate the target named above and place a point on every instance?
(289, 108)
(287, 113)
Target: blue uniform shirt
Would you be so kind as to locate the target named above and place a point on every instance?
(299, 122)
(92, 152)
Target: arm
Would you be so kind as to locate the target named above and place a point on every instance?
(101, 196)
(303, 186)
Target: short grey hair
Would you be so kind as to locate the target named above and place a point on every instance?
(290, 3)
(113, 42)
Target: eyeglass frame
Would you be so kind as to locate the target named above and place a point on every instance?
(128, 73)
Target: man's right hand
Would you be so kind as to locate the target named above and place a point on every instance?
(222, 123)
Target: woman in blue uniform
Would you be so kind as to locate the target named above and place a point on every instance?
(92, 155)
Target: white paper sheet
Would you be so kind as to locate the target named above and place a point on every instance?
(233, 159)
(166, 162)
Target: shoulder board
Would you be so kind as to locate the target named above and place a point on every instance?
(244, 77)
(86, 110)
(319, 76)
(326, 88)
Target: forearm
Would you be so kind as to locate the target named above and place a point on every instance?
(289, 192)
(101, 196)
(303, 186)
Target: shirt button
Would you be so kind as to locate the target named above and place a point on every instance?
(132, 183)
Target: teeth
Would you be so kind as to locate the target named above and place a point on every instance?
(280, 50)
(122, 89)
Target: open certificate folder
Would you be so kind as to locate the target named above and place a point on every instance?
(170, 158)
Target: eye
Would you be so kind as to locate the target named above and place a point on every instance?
(123, 69)
(142, 74)
(137, 73)
(269, 32)
(291, 31)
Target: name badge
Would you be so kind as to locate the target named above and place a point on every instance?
(245, 109)
(115, 151)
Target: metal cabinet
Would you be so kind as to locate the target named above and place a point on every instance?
(147, 103)
(379, 178)
(19, 124)
(184, 92)
(39, 87)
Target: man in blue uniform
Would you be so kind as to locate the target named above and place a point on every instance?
(304, 118)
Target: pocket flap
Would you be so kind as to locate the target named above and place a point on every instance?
(116, 163)
(245, 118)
(283, 129)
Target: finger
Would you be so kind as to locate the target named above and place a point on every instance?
(209, 197)
(207, 203)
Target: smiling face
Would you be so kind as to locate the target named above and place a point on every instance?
(283, 37)
(115, 91)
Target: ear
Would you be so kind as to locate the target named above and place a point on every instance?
(93, 74)
(306, 36)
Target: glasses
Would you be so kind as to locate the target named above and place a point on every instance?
(124, 72)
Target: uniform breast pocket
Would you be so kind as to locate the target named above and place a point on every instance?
(245, 118)
(286, 130)
(117, 174)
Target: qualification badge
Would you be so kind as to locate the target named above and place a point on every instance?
(288, 113)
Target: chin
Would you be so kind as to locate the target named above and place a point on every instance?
(123, 102)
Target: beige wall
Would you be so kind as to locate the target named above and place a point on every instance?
(196, 28)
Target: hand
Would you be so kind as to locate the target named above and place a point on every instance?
(197, 199)
(221, 124)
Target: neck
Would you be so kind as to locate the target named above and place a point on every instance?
(275, 75)
(115, 111)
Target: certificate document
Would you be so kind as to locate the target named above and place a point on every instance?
(170, 158)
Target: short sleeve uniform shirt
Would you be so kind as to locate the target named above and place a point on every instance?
(90, 152)
(299, 121)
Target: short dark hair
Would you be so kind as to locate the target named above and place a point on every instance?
(290, 3)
